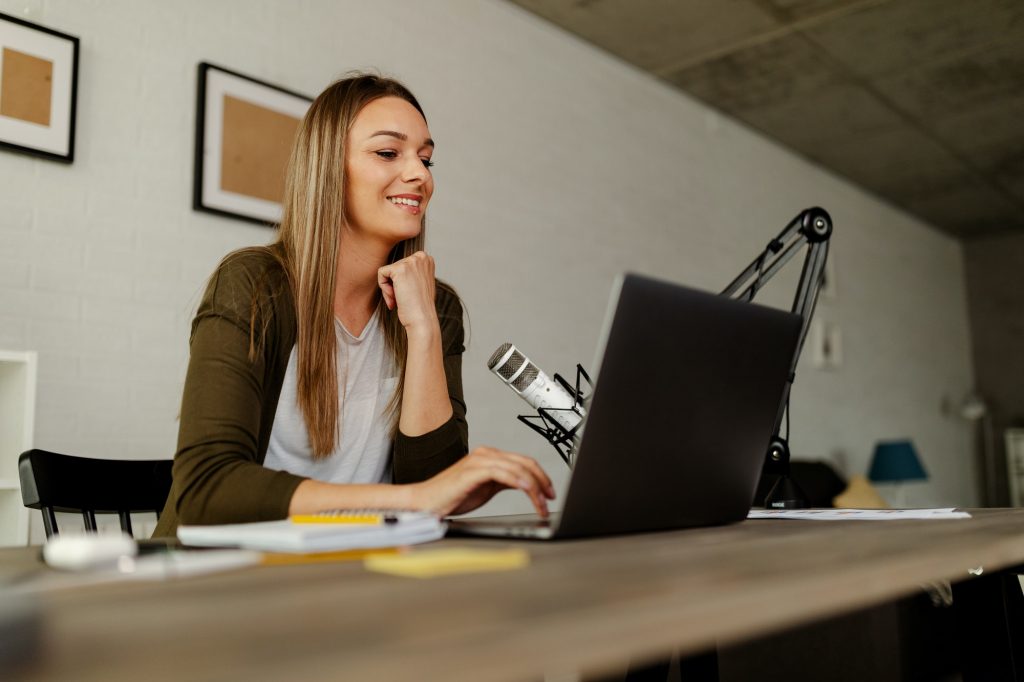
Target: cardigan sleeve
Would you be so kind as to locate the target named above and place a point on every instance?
(218, 476)
(417, 458)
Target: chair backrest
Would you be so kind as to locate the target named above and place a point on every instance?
(53, 482)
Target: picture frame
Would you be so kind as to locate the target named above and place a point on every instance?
(38, 89)
(245, 129)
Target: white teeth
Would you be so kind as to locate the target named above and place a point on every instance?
(406, 202)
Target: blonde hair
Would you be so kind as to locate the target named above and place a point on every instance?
(307, 247)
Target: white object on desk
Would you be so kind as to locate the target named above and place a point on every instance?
(88, 551)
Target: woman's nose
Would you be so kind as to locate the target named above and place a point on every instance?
(414, 170)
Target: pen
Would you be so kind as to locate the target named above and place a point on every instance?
(356, 519)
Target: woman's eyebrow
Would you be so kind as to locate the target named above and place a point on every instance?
(401, 136)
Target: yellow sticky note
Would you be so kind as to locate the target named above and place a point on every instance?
(437, 562)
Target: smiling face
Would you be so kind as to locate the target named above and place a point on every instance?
(387, 167)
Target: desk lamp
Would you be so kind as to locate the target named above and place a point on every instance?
(974, 409)
(896, 462)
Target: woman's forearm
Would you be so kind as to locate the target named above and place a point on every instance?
(314, 496)
(425, 401)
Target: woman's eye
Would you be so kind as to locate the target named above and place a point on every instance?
(391, 154)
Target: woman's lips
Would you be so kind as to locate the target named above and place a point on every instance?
(410, 203)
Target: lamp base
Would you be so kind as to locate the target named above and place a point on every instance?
(895, 494)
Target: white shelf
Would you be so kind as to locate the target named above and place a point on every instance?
(1015, 465)
(17, 423)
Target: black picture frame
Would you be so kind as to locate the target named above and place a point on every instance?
(62, 52)
(208, 192)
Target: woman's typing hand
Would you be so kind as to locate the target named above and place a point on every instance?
(479, 476)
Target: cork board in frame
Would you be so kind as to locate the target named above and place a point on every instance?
(245, 129)
(38, 89)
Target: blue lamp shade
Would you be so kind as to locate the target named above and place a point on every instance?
(896, 461)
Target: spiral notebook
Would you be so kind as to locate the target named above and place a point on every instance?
(325, 532)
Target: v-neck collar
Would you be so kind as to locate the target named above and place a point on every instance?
(366, 329)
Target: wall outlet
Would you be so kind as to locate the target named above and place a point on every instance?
(826, 345)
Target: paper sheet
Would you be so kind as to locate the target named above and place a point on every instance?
(858, 514)
(167, 565)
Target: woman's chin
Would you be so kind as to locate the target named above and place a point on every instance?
(392, 234)
(410, 233)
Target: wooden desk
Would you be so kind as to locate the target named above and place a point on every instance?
(581, 606)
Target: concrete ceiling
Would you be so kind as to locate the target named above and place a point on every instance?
(919, 101)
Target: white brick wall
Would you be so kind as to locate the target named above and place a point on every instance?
(569, 161)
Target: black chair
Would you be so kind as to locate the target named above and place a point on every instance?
(51, 483)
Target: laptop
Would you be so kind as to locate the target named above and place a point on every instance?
(688, 388)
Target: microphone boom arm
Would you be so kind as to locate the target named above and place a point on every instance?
(812, 228)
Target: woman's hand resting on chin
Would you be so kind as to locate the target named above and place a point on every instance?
(408, 284)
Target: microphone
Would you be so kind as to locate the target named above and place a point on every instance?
(533, 386)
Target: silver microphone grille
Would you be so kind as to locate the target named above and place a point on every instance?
(523, 381)
(511, 366)
(506, 370)
(502, 349)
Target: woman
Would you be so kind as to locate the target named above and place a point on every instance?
(328, 364)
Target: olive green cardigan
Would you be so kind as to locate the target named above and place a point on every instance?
(229, 402)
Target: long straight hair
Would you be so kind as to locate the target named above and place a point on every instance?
(307, 247)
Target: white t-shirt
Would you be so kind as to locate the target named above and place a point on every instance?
(367, 378)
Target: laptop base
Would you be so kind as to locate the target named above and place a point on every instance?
(524, 526)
